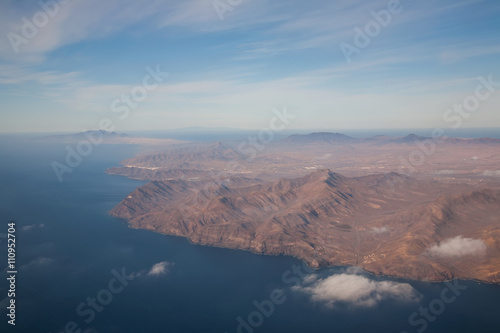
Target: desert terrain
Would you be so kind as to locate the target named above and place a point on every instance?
(411, 207)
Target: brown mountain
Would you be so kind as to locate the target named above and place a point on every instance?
(186, 156)
(387, 223)
(155, 173)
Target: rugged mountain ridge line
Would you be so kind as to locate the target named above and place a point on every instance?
(327, 219)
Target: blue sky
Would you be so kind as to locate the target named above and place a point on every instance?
(232, 72)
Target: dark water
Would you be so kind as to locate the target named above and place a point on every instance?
(70, 258)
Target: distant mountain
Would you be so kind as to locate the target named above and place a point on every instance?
(477, 141)
(320, 137)
(97, 134)
(105, 137)
(410, 138)
(385, 223)
(186, 156)
(153, 173)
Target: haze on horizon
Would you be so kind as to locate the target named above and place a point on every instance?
(231, 65)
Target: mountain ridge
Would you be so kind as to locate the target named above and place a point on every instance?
(323, 218)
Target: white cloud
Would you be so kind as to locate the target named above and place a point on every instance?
(38, 262)
(458, 246)
(43, 261)
(466, 51)
(328, 93)
(298, 25)
(72, 22)
(31, 226)
(80, 20)
(310, 278)
(491, 173)
(160, 268)
(15, 74)
(445, 172)
(380, 230)
(354, 289)
(207, 98)
(354, 270)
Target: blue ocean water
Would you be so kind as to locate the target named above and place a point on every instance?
(68, 248)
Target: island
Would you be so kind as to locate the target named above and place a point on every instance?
(329, 199)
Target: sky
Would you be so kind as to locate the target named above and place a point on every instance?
(69, 65)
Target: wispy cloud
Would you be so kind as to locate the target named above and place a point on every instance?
(161, 268)
(73, 21)
(380, 230)
(466, 51)
(264, 54)
(32, 226)
(491, 173)
(38, 263)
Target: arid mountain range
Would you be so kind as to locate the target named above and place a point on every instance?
(409, 207)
